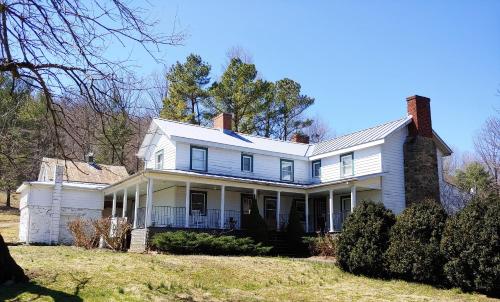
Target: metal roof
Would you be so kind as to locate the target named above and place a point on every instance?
(359, 137)
(230, 138)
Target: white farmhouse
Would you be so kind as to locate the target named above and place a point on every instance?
(205, 177)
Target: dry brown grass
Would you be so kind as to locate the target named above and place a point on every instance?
(9, 219)
(73, 274)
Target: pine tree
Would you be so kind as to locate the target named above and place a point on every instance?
(186, 91)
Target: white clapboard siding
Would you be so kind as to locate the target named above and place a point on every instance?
(393, 186)
(158, 143)
(228, 162)
(366, 161)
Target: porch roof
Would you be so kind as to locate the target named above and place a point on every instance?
(217, 179)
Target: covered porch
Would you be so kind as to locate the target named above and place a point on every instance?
(186, 200)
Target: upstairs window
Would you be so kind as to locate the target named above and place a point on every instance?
(199, 158)
(159, 160)
(286, 170)
(346, 165)
(246, 163)
(316, 168)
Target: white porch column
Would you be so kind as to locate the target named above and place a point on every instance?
(149, 203)
(124, 206)
(188, 190)
(113, 209)
(353, 198)
(330, 210)
(307, 211)
(278, 210)
(222, 201)
(136, 205)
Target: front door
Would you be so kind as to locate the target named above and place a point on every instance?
(320, 213)
(246, 206)
(270, 212)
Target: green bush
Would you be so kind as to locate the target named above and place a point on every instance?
(414, 252)
(181, 242)
(471, 245)
(295, 231)
(364, 239)
(257, 227)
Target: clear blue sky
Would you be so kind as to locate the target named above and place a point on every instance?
(358, 59)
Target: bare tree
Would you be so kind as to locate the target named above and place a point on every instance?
(487, 146)
(319, 130)
(59, 47)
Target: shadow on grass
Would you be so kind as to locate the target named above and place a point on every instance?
(11, 292)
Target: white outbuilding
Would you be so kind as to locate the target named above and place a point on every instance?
(64, 191)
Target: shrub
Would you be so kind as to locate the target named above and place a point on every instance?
(181, 242)
(364, 239)
(322, 245)
(114, 235)
(471, 245)
(295, 231)
(84, 234)
(414, 252)
(257, 227)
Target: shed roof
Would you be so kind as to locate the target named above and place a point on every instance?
(83, 172)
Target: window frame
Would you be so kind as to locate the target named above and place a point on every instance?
(191, 158)
(302, 215)
(157, 153)
(281, 169)
(205, 201)
(351, 154)
(251, 162)
(312, 166)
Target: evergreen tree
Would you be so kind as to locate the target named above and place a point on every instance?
(291, 104)
(475, 179)
(257, 227)
(186, 90)
(295, 231)
(238, 92)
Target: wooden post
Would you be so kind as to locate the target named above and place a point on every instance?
(330, 209)
(306, 204)
(353, 198)
(124, 206)
(113, 209)
(278, 210)
(188, 190)
(149, 203)
(136, 205)
(222, 204)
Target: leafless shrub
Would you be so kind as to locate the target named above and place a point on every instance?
(113, 232)
(84, 233)
(323, 245)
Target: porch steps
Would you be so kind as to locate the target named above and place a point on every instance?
(138, 240)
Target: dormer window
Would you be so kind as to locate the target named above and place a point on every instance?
(159, 160)
(199, 158)
(346, 165)
(246, 163)
(286, 170)
(316, 168)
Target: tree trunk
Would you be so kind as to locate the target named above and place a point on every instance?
(7, 201)
(9, 270)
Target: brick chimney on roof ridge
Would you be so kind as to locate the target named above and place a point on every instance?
(300, 138)
(223, 121)
(419, 107)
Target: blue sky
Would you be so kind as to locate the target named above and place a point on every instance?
(358, 59)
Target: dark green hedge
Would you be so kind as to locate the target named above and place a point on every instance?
(181, 242)
(364, 239)
(414, 253)
(471, 245)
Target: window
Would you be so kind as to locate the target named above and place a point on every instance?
(346, 165)
(159, 160)
(301, 209)
(316, 168)
(246, 163)
(199, 158)
(198, 203)
(286, 170)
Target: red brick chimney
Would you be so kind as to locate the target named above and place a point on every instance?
(223, 121)
(300, 138)
(419, 107)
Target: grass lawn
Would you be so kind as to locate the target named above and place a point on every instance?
(72, 274)
(9, 219)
